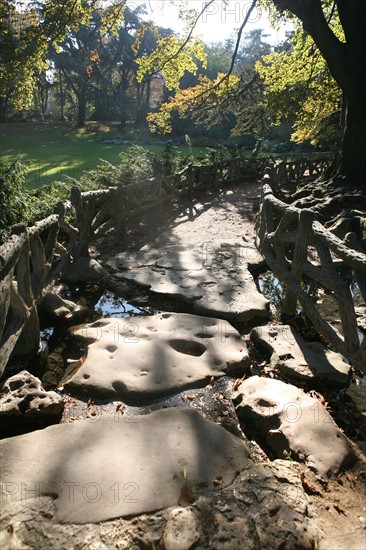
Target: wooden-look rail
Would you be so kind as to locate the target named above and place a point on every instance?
(35, 257)
(295, 245)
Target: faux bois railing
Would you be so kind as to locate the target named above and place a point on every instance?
(296, 246)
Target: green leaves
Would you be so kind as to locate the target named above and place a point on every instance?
(13, 199)
(28, 29)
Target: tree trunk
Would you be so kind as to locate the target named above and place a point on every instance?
(62, 116)
(143, 102)
(353, 150)
(3, 108)
(123, 116)
(81, 111)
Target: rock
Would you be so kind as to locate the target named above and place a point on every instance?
(256, 262)
(214, 278)
(83, 270)
(361, 318)
(272, 496)
(54, 306)
(118, 466)
(363, 231)
(181, 530)
(182, 260)
(139, 258)
(357, 393)
(153, 356)
(23, 399)
(239, 300)
(299, 359)
(168, 283)
(266, 507)
(293, 424)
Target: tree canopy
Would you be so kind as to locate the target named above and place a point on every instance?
(318, 77)
(342, 47)
(334, 31)
(28, 29)
(298, 84)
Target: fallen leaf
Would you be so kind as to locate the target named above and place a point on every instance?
(238, 382)
(339, 509)
(217, 480)
(310, 489)
(351, 479)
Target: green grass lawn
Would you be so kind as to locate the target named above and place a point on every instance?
(53, 150)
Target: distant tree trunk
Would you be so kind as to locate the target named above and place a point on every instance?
(43, 98)
(3, 109)
(81, 111)
(99, 106)
(148, 95)
(143, 102)
(62, 98)
(122, 95)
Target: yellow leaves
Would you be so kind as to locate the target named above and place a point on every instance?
(298, 83)
(160, 122)
(140, 32)
(172, 58)
(113, 14)
(207, 93)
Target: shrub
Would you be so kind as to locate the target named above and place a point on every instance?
(14, 199)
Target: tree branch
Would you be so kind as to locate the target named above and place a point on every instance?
(237, 44)
(186, 40)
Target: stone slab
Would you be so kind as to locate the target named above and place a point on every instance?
(265, 508)
(298, 358)
(238, 299)
(169, 283)
(183, 260)
(153, 356)
(115, 468)
(214, 277)
(146, 256)
(294, 424)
